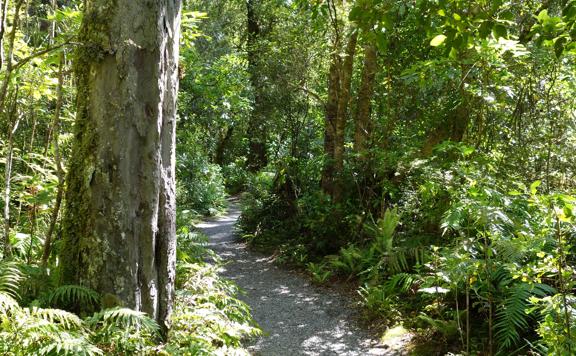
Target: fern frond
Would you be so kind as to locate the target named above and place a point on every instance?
(512, 317)
(70, 344)
(124, 318)
(7, 303)
(10, 277)
(72, 294)
(62, 318)
(400, 283)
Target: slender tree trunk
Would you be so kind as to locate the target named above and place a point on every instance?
(118, 226)
(343, 111)
(257, 148)
(457, 122)
(9, 65)
(331, 117)
(59, 169)
(3, 13)
(336, 114)
(15, 121)
(220, 150)
(363, 123)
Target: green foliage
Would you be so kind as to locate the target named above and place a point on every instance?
(380, 302)
(200, 185)
(10, 277)
(552, 328)
(123, 331)
(72, 296)
(207, 318)
(319, 272)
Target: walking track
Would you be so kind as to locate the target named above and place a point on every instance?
(297, 317)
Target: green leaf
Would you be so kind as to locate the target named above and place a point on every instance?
(485, 28)
(499, 31)
(543, 16)
(438, 40)
(534, 187)
(559, 46)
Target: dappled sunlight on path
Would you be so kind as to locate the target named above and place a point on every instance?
(297, 317)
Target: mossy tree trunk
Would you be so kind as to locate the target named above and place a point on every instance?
(119, 218)
(363, 123)
(336, 113)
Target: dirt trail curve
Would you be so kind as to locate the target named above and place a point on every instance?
(297, 317)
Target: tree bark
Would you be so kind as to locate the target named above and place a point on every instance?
(14, 122)
(343, 111)
(222, 144)
(3, 13)
(362, 120)
(257, 148)
(331, 117)
(336, 114)
(9, 65)
(118, 226)
(59, 169)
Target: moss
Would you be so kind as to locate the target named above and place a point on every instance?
(78, 220)
(111, 301)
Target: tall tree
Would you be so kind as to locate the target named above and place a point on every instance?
(119, 219)
(345, 38)
(257, 155)
(364, 101)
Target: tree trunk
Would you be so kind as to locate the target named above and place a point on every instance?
(452, 129)
(336, 114)
(59, 169)
(343, 111)
(221, 148)
(364, 103)
(9, 65)
(3, 13)
(14, 122)
(118, 226)
(331, 116)
(455, 126)
(257, 148)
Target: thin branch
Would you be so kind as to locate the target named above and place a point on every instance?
(24, 61)
(309, 92)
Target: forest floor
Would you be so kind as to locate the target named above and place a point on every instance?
(297, 317)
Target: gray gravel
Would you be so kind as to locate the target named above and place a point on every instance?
(297, 317)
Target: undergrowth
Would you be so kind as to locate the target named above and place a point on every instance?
(465, 257)
(207, 318)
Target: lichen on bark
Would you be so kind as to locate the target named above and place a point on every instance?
(118, 225)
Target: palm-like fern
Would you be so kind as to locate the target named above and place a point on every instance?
(72, 295)
(10, 277)
(123, 318)
(511, 317)
(7, 303)
(62, 318)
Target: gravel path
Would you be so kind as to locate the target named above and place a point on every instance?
(298, 318)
